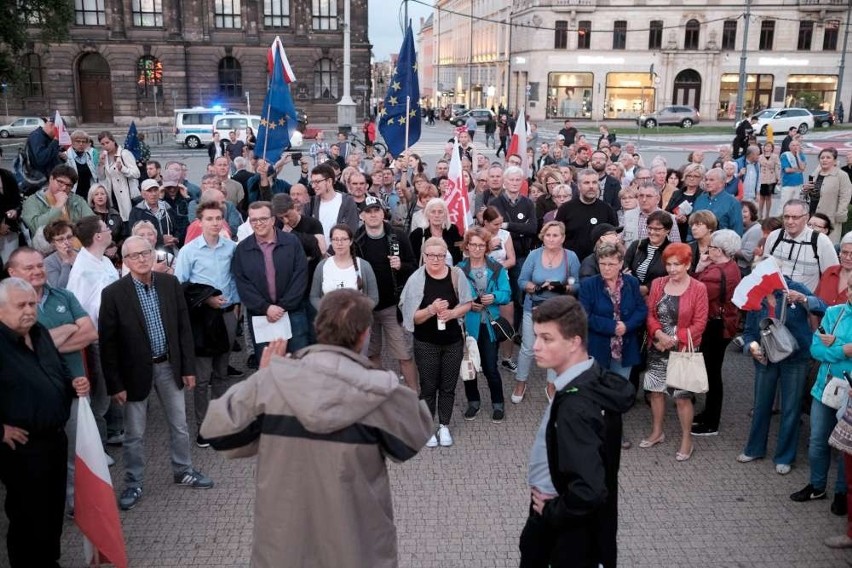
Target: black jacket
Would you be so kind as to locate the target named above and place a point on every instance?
(583, 438)
(521, 221)
(211, 150)
(43, 150)
(125, 346)
(390, 281)
(208, 324)
(636, 254)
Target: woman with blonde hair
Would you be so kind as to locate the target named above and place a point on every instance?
(438, 225)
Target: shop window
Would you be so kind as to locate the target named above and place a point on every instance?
(584, 34)
(758, 94)
(619, 34)
(628, 95)
(729, 35)
(227, 14)
(33, 74)
(691, 35)
(811, 91)
(325, 80)
(276, 13)
(230, 78)
(829, 39)
(149, 77)
(569, 95)
(655, 34)
(767, 35)
(147, 13)
(560, 35)
(806, 35)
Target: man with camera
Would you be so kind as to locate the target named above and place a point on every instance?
(389, 253)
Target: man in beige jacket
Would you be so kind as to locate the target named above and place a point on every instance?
(322, 424)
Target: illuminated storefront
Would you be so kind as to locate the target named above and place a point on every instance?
(758, 94)
(569, 95)
(628, 95)
(811, 91)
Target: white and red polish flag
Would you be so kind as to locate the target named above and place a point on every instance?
(62, 134)
(458, 202)
(277, 46)
(765, 279)
(95, 509)
(518, 145)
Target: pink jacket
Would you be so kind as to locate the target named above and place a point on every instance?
(692, 311)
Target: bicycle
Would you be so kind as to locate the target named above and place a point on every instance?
(379, 149)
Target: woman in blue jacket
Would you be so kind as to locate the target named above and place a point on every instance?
(790, 375)
(616, 311)
(489, 284)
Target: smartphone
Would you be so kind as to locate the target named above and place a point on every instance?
(821, 330)
(161, 256)
(810, 179)
(296, 157)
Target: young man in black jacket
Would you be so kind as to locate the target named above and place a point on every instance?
(389, 253)
(574, 461)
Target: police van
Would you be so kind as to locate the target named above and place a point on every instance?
(194, 126)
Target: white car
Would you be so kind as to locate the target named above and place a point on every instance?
(782, 119)
(21, 127)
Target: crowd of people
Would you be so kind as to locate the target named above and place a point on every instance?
(146, 282)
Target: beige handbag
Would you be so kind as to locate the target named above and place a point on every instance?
(686, 370)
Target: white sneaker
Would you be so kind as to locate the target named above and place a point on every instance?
(444, 437)
(433, 442)
(782, 468)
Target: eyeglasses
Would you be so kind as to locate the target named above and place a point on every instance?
(794, 217)
(142, 254)
(655, 229)
(430, 256)
(476, 245)
(813, 225)
(63, 183)
(846, 253)
(318, 181)
(341, 240)
(259, 220)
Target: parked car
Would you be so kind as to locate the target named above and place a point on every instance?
(21, 127)
(453, 110)
(682, 116)
(782, 119)
(822, 118)
(482, 115)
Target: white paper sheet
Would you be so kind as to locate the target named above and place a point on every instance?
(264, 332)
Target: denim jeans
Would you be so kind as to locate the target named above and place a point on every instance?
(616, 367)
(823, 421)
(136, 418)
(488, 356)
(525, 355)
(790, 377)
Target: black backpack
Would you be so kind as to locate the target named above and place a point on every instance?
(813, 241)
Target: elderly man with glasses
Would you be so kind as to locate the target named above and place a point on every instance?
(636, 220)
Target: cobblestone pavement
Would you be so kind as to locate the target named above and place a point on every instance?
(465, 506)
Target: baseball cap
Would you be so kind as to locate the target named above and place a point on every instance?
(560, 137)
(602, 229)
(148, 184)
(171, 179)
(371, 202)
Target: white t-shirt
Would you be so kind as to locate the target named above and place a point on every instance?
(328, 212)
(500, 254)
(334, 278)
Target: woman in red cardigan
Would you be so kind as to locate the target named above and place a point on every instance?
(677, 309)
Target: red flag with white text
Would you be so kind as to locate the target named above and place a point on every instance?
(456, 197)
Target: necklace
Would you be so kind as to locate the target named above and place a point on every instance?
(551, 262)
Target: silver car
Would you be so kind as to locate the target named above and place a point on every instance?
(682, 116)
(21, 127)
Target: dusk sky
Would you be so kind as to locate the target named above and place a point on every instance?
(385, 17)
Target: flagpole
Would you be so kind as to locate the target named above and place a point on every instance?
(405, 151)
(266, 132)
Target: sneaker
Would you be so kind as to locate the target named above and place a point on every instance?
(509, 365)
(498, 415)
(433, 442)
(129, 498)
(705, 430)
(697, 419)
(471, 412)
(201, 441)
(115, 439)
(782, 468)
(194, 478)
(808, 493)
(838, 505)
(744, 458)
(444, 437)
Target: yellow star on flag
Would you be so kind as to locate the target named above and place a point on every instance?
(396, 86)
(282, 121)
(390, 120)
(264, 122)
(412, 113)
(392, 101)
(401, 120)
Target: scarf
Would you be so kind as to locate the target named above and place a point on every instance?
(616, 342)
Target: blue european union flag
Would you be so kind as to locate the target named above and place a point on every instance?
(278, 120)
(404, 86)
(132, 141)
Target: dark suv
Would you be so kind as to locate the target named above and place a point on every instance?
(822, 118)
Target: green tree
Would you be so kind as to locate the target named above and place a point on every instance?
(24, 21)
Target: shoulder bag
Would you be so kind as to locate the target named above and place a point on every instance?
(836, 388)
(686, 370)
(471, 363)
(775, 339)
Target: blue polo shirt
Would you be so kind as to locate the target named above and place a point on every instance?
(60, 307)
(726, 208)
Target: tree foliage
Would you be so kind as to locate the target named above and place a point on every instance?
(25, 21)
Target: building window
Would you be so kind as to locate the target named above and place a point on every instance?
(32, 76)
(811, 91)
(227, 14)
(655, 34)
(560, 36)
(89, 12)
(149, 77)
(584, 34)
(829, 39)
(767, 35)
(569, 95)
(276, 13)
(806, 35)
(628, 95)
(147, 13)
(729, 35)
(230, 78)
(619, 34)
(758, 94)
(324, 15)
(325, 80)
(691, 36)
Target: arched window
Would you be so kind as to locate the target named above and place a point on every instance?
(325, 79)
(690, 38)
(149, 77)
(33, 75)
(230, 78)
